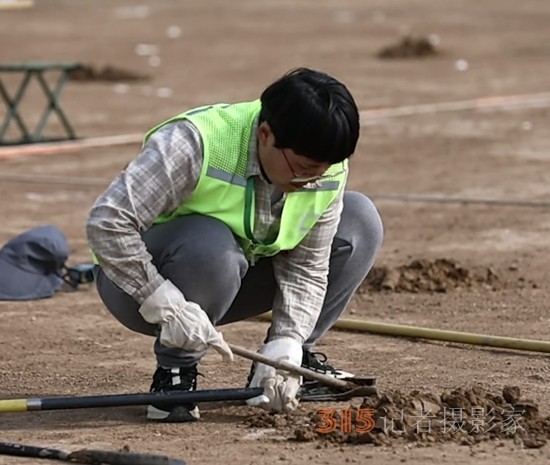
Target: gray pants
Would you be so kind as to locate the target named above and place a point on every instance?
(201, 257)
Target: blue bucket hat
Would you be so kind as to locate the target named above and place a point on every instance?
(32, 263)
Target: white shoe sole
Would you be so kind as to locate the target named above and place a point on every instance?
(178, 414)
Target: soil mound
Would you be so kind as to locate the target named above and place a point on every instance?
(409, 47)
(440, 275)
(465, 416)
(106, 73)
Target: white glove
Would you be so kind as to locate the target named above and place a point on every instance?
(183, 324)
(280, 387)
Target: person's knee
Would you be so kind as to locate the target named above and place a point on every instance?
(207, 266)
(214, 281)
(214, 261)
(201, 250)
(361, 225)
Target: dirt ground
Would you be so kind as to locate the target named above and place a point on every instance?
(191, 53)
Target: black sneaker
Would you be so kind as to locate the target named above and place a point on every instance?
(174, 379)
(317, 361)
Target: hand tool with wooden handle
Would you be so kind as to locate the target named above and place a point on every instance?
(341, 389)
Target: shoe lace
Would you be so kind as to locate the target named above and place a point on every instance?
(317, 361)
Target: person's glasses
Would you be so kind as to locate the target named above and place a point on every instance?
(299, 178)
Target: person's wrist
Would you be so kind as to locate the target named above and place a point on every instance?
(149, 289)
(287, 340)
(284, 347)
(287, 334)
(165, 301)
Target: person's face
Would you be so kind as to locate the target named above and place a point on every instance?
(286, 169)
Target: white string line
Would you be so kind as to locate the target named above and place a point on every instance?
(369, 116)
(45, 179)
(461, 200)
(541, 100)
(49, 148)
(103, 182)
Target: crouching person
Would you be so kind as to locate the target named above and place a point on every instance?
(231, 210)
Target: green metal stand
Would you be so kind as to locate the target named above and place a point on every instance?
(37, 70)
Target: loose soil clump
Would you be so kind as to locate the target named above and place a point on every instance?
(466, 416)
(440, 275)
(409, 47)
(107, 73)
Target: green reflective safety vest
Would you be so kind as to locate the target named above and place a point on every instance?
(224, 192)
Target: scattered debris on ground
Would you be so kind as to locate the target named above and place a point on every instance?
(106, 73)
(466, 416)
(409, 47)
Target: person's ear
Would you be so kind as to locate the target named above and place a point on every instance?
(264, 131)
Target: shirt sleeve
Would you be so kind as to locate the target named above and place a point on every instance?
(163, 175)
(302, 277)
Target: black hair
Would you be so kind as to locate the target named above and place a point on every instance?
(313, 114)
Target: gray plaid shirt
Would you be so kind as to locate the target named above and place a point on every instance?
(161, 178)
